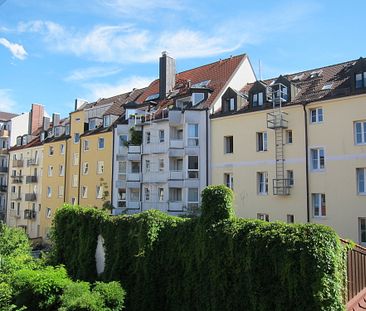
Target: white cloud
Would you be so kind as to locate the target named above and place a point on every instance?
(127, 7)
(103, 90)
(7, 104)
(15, 49)
(91, 73)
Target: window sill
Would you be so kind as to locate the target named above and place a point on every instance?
(362, 194)
(262, 194)
(318, 170)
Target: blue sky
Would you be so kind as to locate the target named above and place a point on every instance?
(52, 52)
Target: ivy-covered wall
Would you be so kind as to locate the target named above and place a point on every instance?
(215, 262)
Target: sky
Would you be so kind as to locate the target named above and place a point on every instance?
(52, 52)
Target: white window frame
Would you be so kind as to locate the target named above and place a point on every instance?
(75, 159)
(84, 192)
(229, 180)
(360, 136)
(86, 146)
(148, 138)
(193, 138)
(122, 198)
(193, 203)
(316, 115)
(317, 202)
(60, 191)
(61, 170)
(100, 167)
(362, 223)
(262, 183)
(257, 99)
(317, 159)
(161, 165)
(175, 194)
(51, 150)
(147, 166)
(122, 170)
(85, 168)
(48, 212)
(50, 171)
(263, 216)
(76, 138)
(262, 141)
(75, 181)
(101, 139)
(228, 144)
(289, 137)
(290, 177)
(99, 192)
(161, 194)
(147, 194)
(62, 149)
(363, 80)
(193, 173)
(161, 136)
(49, 192)
(361, 180)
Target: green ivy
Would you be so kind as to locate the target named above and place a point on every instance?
(214, 262)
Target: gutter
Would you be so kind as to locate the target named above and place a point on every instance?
(307, 163)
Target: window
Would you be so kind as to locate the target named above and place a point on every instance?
(147, 165)
(229, 180)
(148, 137)
(107, 121)
(264, 217)
(193, 135)
(49, 192)
(74, 180)
(362, 231)
(12, 205)
(317, 158)
(48, 212)
(60, 191)
(100, 143)
(61, 170)
(192, 166)
(262, 141)
(147, 194)
(290, 218)
(262, 182)
(122, 170)
(85, 168)
(319, 207)
(75, 159)
(62, 149)
(161, 194)
(361, 178)
(290, 177)
(175, 194)
(289, 137)
(123, 140)
(197, 98)
(99, 192)
(229, 104)
(229, 144)
(360, 132)
(161, 165)
(100, 167)
(316, 115)
(86, 145)
(76, 138)
(161, 136)
(134, 195)
(257, 99)
(360, 80)
(135, 167)
(193, 199)
(121, 198)
(84, 192)
(50, 170)
(51, 150)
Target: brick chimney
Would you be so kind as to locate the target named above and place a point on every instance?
(35, 118)
(166, 74)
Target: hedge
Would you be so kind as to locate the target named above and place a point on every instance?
(212, 262)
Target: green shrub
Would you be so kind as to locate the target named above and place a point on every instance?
(13, 241)
(39, 289)
(112, 293)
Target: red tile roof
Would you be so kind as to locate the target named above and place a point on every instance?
(218, 73)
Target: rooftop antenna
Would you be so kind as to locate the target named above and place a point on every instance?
(260, 70)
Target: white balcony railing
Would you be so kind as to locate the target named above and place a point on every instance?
(134, 149)
(176, 143)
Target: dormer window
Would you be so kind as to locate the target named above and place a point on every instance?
(19, 140)
(67, 129)
(257, 99)
(24, 140)
(58, 131)
(229, 104)
(197, 98)
(107, 121)
(94, 123)
(360, 79)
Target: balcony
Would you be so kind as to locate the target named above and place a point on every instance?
(156, 177)
(32, 162)
(29, 214)
(176, 175)
(134, 149)
(133, 206)
(30, 197)
(4, 169)
(133, 177)
(176, 143)
(18, 163)
(161, 206)
(176, 207)
(17, 179)
(3, 188)
(31, 179)
(15, 196)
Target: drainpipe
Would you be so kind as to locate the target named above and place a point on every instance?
(307, 163)
(207, 147)
(65, 172)
(113, 159)
(80, 168)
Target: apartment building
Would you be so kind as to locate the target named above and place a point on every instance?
(293, 148)
(162, 140)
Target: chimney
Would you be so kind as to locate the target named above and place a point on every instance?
(35, 118)
(55, 119)
(79, 102)
(166, 75)
(46, 123)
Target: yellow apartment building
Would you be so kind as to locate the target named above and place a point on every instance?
(294, 149)
(25, 187)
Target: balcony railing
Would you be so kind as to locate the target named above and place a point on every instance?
(4, 169)
(3, 188)
(134, 149)
(30, 197)
(15, 196)
(32, 162)
(17, 179)
(29, 214)
(31, 179)
(18, 163)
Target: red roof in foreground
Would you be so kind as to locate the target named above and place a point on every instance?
(218, 73)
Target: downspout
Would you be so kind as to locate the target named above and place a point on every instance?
(142, 151)
(80, 168)
(307, 163)
(207, 147)
(113, 159)
(65, 174)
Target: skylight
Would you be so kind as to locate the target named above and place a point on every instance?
(315, 74)
(152, 97)
(201, 84)
(327, 86)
